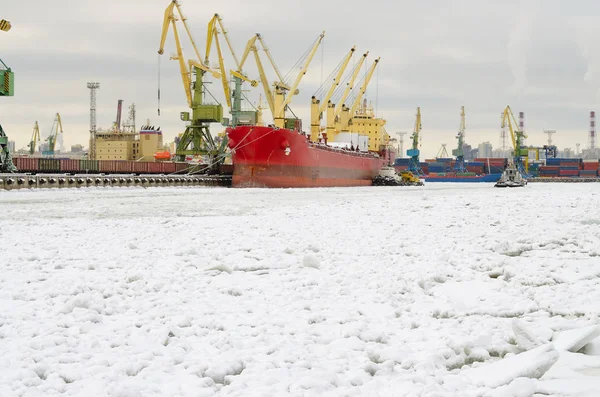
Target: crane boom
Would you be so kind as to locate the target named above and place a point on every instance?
(363, 88)
(517, 138)
(266, 50)
(263, 80)
(247, 50)
(56, 129)
(218, 20)
(35, 138)
(280, 102)
(413, 152)
(336, 80)
(234, 99)
(350, 85)
(224, 80)
(318, 106)
(170, 19)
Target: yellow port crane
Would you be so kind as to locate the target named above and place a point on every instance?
(35, 138)
(54, 131)
(196, 140)
(238, 116)
(276, 97)
(520, 152)
(318, 105)
(333, 109)
(251, 47)
(346, 113)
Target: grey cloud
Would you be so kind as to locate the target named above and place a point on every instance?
(540, 57)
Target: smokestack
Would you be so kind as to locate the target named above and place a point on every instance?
(592, 130)
(119, 108)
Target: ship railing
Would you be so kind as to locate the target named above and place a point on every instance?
(343, 150)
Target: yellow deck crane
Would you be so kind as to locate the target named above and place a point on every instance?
(196, 140)
(334, 108)
(282, 100)
(7, 88)
(35, 139)
(346, 113)
(520, 152)
(54, 131)
(238, 116)
(319, 104)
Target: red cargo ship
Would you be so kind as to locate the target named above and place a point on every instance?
(278, 157)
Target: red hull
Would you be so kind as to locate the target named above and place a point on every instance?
(276, 158)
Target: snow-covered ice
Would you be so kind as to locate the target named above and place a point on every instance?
(442, 290)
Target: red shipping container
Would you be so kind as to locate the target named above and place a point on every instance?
(549, 168)
(27, 164)
(568, 173)
(590, 166)
(475, 168)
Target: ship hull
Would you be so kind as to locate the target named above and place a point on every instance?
(461, 179)
(280, 158)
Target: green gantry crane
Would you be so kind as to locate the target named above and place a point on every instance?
(196, 140)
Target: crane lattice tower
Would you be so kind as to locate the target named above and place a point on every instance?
(93, 86)
(503, 138)
(592, 136)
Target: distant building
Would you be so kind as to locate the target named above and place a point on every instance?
(499, 153)
(484, 150)
(116, 146)
(567, 153)
(76, 149)
(590, 154)
(470, 152)
(11, 146)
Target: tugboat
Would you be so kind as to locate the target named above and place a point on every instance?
(511, 177)
(389, 177)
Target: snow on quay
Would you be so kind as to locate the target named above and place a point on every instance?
(443, 290)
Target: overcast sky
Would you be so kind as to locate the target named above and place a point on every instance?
(540, 57)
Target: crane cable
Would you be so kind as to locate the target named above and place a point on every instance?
(159, 84)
